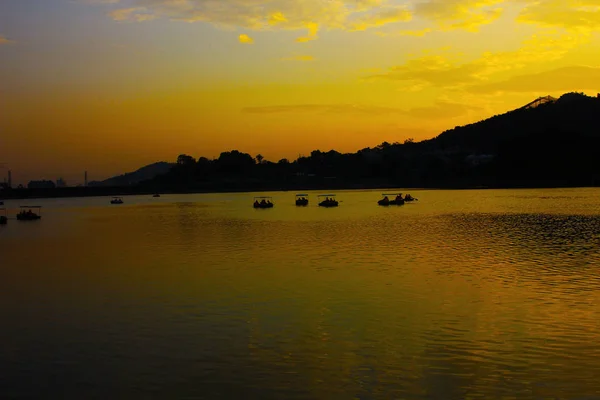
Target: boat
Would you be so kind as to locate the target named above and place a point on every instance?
(29, 215)
(116, 200)
(398, 200)
(409, 198)
(3, 218)
(156, 195)
(301, 199)
(327, 200)
(263, 202)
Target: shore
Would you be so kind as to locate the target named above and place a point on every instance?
(24, 193)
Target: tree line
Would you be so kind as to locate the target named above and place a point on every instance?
(555, 144)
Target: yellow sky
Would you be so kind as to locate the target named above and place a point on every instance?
(111, 85)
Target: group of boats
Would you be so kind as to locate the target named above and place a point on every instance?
(329, 200)
(324, 200)
(398, 199)
(27, 213)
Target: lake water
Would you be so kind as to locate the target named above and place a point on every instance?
(462, 295)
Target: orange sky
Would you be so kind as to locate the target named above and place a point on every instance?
(111, 85)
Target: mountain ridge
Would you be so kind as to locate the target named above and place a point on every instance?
(146, 172)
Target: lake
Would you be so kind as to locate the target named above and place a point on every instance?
(478, 294)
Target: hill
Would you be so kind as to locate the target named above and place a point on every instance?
(572, 113)
(132, 178)
(548, 142)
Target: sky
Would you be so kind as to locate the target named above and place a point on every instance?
(108, 86)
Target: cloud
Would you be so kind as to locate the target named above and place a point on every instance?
(243, 38)
(277, 18)
(439, 110)
(323, 108)
(567, 79)
(312, 15)
(442, 110)
(433, 70)
(298, 58)
(406, 32)
(380, 18)
(137, 14)
(98, 1)
(357, 15)
(312, 33)
(442, 71)
(460, 14)
(5, 40)
(581, 15)
(256, 14)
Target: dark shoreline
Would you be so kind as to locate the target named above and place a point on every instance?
(69, 192)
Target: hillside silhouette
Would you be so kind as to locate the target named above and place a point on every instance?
(571, 113)
(132, 178)
(546, 143)
(550, 142)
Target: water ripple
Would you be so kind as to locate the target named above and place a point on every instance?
(468, 294)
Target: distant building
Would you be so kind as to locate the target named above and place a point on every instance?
(60, 183)
(41, 185)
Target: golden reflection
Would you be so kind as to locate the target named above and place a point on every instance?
(360, 301)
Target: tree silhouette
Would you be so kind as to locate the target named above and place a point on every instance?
(185, 160)
(556, 143)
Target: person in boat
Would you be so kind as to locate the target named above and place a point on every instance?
(256, 204)
(263, 202)
(386, 199)
(399, 197)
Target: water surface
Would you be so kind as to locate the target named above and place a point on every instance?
(464, 294)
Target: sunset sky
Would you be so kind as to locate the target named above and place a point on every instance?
(112, 85)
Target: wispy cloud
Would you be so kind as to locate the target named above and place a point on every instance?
(4, 40)
(442, 70)
(567, 79)
(311, 15)
(97, 1)
(137, 14)
(439, 110)
(323, 108)
(298, 58)
(576, 15)
(243, 38)
(358, 15)
(406, 32)
(313, 29)
(381, 17)
(442, 110)
(460, 14)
